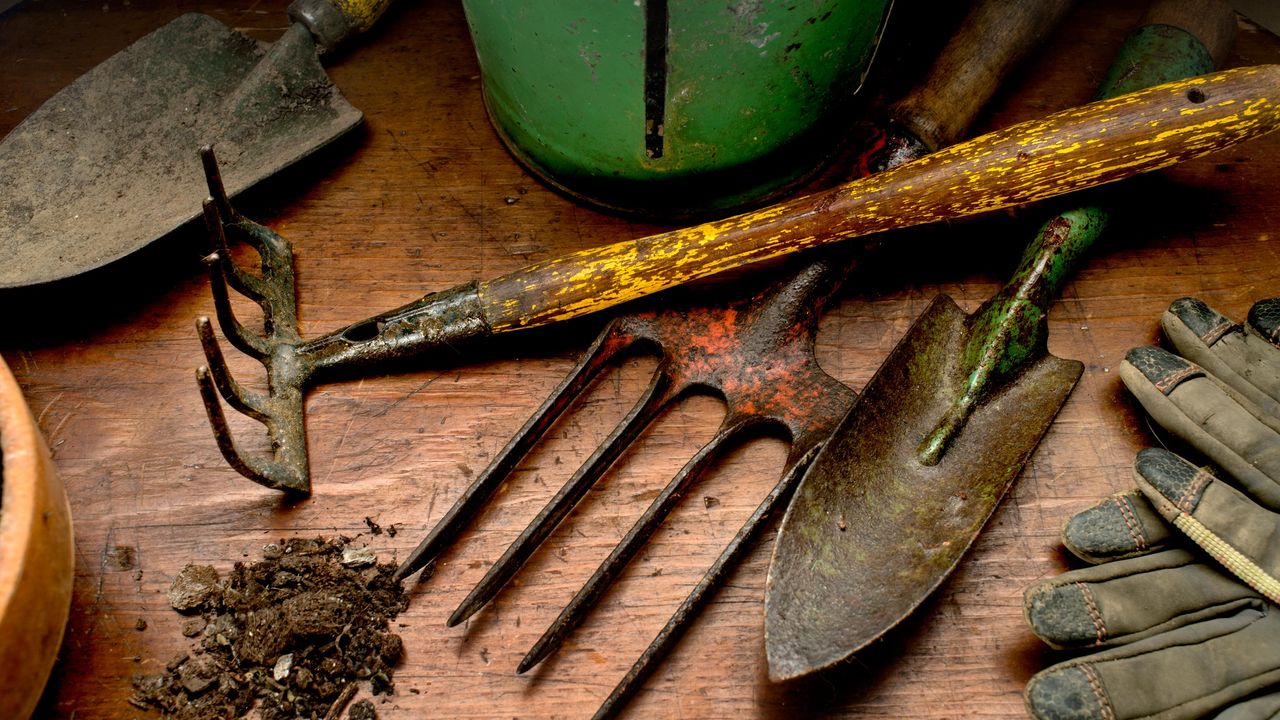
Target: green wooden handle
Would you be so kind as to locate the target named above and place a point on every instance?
(1157, 52)
(1071, 150)
(1010, 331)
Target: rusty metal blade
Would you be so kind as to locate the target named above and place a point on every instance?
(872, 531)
(109, 164)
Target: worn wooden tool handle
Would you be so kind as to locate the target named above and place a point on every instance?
(1067, 151)
(1211, 22)
(333, 21)
(994, 37)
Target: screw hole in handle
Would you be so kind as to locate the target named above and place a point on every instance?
(1196, 95)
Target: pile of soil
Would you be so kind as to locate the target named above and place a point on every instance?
(294, 632)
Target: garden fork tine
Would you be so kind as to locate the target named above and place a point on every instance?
(573, 613)
(609, 346)
(659, 394)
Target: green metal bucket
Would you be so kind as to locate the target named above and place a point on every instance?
(672, 107)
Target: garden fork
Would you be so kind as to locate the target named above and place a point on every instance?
(756, 353)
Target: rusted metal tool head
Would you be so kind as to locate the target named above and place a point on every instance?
(756, 353)
(281, 409)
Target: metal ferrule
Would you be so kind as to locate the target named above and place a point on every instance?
(439, 319)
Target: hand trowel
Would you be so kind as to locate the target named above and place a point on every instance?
(109, 164)
(938, 435)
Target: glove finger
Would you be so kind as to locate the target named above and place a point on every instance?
(1247, 361)
(1196, 408)
(1264, 319)
(1182, 674)
(1262, 707)
(1128, 600)
(1121, 526)
(1216, 516)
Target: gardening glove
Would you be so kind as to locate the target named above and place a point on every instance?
(1184, 637)
(1222, 396)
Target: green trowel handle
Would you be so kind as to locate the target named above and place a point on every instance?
(333, 21)
(995, 36)
(1178, 39)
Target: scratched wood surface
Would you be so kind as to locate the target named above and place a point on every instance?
(425, 198)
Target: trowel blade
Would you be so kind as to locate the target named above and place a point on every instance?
(872, 532)
(110, 164)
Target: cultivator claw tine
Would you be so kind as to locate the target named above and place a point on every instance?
(625, 550)
(213, 179)
(611, 343)
(247, 465)
(659, 394)
(236, 333)
(232, 275)
(251, 404)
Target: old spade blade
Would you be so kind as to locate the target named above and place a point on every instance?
(109, 164)
(872, 531)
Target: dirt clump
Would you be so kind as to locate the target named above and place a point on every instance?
(288, 634)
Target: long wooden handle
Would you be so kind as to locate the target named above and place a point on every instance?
(995, 36)
(1071, 150)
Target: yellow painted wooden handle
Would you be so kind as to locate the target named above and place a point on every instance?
(362, 13)
(1071, 150)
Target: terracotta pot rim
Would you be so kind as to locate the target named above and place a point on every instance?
(19, 446)
(37, 557)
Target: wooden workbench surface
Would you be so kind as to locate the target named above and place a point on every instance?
(424, 197)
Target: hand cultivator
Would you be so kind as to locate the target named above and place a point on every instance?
(1062, 153)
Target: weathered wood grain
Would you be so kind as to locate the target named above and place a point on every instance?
(419, 201)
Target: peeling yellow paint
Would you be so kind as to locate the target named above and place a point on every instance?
(1068, 151)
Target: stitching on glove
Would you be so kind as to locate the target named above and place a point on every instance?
(1167, 383)
(1215, 333)
(1193, 489)
(1094, 614)
(1131, 522)
(1096, 685)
